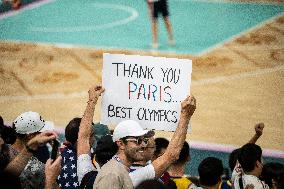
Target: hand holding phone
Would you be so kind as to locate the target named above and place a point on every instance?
(55, 146)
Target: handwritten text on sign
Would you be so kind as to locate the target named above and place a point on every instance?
(146, 89)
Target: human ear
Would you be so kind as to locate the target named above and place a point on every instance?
(120, 144)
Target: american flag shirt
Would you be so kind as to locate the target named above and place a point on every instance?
(68, 176)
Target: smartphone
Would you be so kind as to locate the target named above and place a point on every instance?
(55, 146)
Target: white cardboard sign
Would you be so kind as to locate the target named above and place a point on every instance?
(144, 88)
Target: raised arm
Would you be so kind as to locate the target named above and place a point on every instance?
(258, 132)
(85, 130)
(172, 152)
(17, 165)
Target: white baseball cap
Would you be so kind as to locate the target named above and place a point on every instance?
(129, 128)
(30, 122)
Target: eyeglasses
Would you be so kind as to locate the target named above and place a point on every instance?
(138, 141)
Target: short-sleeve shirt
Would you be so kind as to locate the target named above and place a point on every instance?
(182, 182)
(33, 175)
(84, 165)
(142, 173)
(68, 175)
(250, 179)
(113, 175)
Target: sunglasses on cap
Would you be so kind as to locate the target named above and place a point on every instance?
(138, 141)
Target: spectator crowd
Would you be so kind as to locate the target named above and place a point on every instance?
(92, 156)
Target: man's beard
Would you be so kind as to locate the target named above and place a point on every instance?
(133, 156)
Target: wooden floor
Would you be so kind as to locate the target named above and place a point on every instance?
(237, 84)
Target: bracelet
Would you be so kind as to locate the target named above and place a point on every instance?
(29, 149)
(93, 101)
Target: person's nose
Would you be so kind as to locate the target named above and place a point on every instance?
(144, 144)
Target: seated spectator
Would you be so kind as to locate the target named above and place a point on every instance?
(250, 159)
(210, 171)
(271, 172)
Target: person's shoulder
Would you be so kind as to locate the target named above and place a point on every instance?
(35, 164)
(111, 162)
(111, 170)
(112, 165)
(181, 182)
(226, 185)
(69, 151)
(255, 181)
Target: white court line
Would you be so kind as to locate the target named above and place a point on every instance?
(231, 2)
(227, 148)
(133, 15)
(233, 37)
(193, 83)
(236, 76)
(45, 97)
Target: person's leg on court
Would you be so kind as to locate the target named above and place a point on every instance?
(154, 19)
(154, 33)
(169, 30)
(165, 12)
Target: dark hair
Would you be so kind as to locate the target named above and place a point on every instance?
(9, 180)
(170, 184)
(210, 171)
(4, 157)
(248, 155)
(8, 134)
(271, 171)
(233, 157)
(152, 183)
(105, 149)
(161, 143)
(184, 154)
(280, 181)
(72, 130)
(1, 123)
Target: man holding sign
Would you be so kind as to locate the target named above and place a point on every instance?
(138, 99)
(131, 140)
